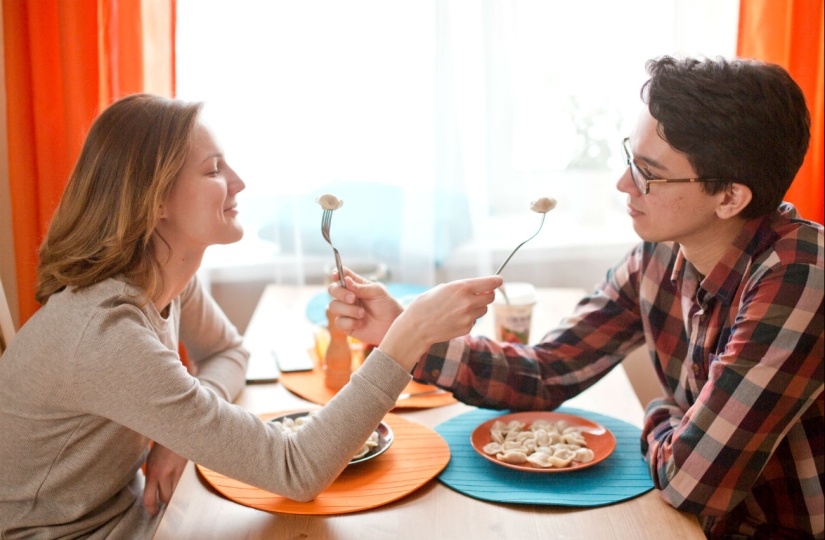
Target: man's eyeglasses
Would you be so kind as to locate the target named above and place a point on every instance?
(643, 181)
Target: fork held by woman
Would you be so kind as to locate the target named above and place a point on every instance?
(331, 203)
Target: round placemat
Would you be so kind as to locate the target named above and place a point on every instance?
(416, 456)
(623, 475)
(310, 386)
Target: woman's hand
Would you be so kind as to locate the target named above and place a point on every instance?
(163, 470)
(440, 314)
(365, 310)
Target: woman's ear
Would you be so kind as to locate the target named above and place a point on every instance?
(734, 200)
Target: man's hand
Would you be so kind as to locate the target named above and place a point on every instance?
(163, 470)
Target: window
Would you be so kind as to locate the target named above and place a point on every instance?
(436, 122)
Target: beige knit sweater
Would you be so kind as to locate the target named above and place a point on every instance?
(93, 377)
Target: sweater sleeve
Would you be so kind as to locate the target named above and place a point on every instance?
(214, 345)
(121, 371)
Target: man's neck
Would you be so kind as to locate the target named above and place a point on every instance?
(706, 253)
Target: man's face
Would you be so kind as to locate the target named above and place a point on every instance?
(682, 213)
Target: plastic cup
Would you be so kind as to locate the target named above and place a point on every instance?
(512, 317)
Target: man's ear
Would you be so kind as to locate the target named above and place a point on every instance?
(734, 200)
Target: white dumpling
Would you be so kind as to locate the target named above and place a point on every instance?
(329, 202)
(512, 445)
(525, 436)
(540, 459)
(583, 455)
(511, 436)
(561, 458)
(302, 420)
(574, 438)
(369, 444)
(540, 424)
(372, 440)
(492, 448)
(512, 456)
(542, 437)
(543, 205)
(542, 444)
(362, 452)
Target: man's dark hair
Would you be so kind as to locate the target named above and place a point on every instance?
(740, 121)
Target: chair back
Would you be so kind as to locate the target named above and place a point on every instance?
(6, 322)
(642, 376)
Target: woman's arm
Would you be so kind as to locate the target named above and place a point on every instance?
(213, 343)
(145, 388)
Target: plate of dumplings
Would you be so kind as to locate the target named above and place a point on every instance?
(377, 443)
(543, 442)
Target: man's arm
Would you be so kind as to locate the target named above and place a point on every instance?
(603, 329)
(707, 459)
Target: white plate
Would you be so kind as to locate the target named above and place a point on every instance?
(385, 436)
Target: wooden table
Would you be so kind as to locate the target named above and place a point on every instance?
(435, 511)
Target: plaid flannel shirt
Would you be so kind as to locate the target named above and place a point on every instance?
(738, 437)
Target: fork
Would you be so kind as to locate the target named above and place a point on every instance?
(326, 220)
(500, 268)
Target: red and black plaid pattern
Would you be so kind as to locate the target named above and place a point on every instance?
(738, 437)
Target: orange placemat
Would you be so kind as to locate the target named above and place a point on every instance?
(310, 386)
(416, 456)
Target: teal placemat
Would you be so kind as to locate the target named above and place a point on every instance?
(621, 476)
(316, 310)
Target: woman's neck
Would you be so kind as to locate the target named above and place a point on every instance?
(176, 273)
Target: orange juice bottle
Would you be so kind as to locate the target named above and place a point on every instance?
(338, 357)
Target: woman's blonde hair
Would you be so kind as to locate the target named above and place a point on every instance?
(107, 216)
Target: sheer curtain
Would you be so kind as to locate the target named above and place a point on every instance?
(436, 122)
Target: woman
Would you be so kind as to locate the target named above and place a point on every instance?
(94, 377)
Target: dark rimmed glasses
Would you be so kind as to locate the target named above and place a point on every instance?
(643, 182)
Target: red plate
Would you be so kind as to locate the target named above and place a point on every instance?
(599, 439)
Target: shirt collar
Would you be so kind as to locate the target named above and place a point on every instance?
(723, 281)
(758, 233)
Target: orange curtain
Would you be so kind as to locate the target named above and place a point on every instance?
(790, 33)
(66, 60)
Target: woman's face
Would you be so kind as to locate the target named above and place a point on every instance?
(201, 209)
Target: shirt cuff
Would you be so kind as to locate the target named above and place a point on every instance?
(441, 364)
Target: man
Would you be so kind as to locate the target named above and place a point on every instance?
(725, 290)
